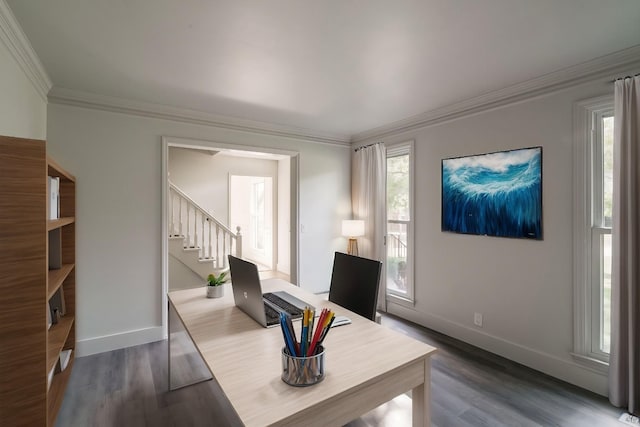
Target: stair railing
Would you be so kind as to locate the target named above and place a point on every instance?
(396, 248)
(201, 230)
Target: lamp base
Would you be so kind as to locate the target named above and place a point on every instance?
(352, 247)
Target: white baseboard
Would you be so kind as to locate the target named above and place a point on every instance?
(104, 343)
(564, 369)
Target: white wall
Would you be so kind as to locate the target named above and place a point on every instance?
(116, 159)
(23, 112)
(205, 178)
(523, 288)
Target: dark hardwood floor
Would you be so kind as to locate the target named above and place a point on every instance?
(470, 387)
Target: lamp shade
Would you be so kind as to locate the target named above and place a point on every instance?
(352, 228)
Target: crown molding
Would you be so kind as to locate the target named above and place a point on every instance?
(604, 66)
(20, 48)
(83, 99)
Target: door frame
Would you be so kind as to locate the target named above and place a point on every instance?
(294, 214)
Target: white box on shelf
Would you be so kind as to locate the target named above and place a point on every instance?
(54, 197)
(65, 357)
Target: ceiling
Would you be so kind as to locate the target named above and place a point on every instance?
(337, 66)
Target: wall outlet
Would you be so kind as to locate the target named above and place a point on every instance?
(477, 319)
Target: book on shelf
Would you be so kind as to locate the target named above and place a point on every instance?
(65, 357)
(54, 197)
(57, 303)
(49, 318)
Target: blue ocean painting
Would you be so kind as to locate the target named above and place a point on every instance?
(495, 194)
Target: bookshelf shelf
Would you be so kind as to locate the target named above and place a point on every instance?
(56, 339)
(53, 224)
(56, 278)
(54, 169)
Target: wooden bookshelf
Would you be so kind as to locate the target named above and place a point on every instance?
(61, 279)
(37, 263)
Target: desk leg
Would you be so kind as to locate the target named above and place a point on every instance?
(421, 399)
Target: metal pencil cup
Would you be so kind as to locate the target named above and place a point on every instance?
(302, 371)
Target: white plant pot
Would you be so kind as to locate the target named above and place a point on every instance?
(215, 291)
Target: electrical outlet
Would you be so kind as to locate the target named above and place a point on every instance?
(477, 319)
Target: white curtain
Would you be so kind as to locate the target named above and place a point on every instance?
(624, 361)
(368, 199)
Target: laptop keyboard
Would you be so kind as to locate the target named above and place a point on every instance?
(273, 317)
(293, 311)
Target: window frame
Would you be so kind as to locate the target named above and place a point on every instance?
(588, 231)
(408, 298)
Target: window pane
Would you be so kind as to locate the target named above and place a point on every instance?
(397, 257)
(398, 188)
(605, 240)
(605, 309)
(607, 168)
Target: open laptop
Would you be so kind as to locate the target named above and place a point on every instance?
(263, 308)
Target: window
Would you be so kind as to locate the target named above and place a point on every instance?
(592, 245)
(399, 239)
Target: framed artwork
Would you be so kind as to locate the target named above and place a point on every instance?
(494, 194)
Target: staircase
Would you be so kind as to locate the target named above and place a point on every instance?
(198, 240)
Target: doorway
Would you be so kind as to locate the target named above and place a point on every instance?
(285, 184)
(252, 208)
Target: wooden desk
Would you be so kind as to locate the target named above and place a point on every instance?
(366, 364)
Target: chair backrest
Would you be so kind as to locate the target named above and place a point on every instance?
(354, 284)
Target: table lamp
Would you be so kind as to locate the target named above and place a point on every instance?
(352, 229)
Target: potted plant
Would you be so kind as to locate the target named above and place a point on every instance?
(214, 285)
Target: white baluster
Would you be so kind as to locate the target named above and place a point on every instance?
(188, 207)
(210, 245)
(195, 226)
(217, 246)
(172, 227)
(224, 249)
(202, 247)
(181, 231)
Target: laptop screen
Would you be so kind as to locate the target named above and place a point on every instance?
(247, 292)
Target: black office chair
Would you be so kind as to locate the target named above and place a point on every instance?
(354, 284)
